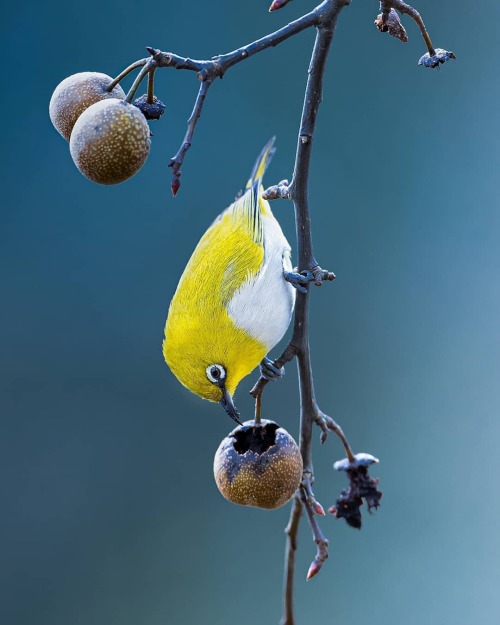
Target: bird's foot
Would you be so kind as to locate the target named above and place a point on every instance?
(269, 371)
(300, 279)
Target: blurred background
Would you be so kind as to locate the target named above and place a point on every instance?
(110, 512)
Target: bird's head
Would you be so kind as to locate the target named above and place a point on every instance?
(211, 364)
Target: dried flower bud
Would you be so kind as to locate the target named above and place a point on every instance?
(361, 487)
(440, 56)
(150, 110)
(391, 24)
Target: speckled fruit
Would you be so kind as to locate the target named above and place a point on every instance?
(258, 465)
(75, 94)
(110, 141)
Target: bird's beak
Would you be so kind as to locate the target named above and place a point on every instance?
(227, 403)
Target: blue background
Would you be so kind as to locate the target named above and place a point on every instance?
(110, 512)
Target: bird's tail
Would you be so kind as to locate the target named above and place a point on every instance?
(261, 164)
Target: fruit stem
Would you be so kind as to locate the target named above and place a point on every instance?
(139, 78)
(402, 7)
(126, 72)
(151, 80)
(258, 409)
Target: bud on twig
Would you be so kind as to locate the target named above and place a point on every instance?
(278, 4)
(176, 183)
(390, 23)
(314, 569)
(278, 191)
(318, 508)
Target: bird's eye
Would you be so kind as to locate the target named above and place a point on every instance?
(215, 373)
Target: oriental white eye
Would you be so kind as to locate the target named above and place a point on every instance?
(216, 373)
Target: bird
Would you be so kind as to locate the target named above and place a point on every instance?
(235, 298)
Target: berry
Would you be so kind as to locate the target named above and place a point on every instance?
(258, 464)
(110, 141)
(75, 94)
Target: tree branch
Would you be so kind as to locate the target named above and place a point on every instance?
(318, 536)
(299, 190)
(209, 70)
(291, 531)
(177, 161)
(327, 424)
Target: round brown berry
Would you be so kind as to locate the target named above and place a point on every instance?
(258, 465)
(110, 141)
(75, 94)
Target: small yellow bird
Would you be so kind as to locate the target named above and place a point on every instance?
(235, 299)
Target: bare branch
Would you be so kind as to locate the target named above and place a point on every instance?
(291, 531)
(308, 493)
(288, 354)
(327, 424)
(218, 65)
(319, 539)
(209, 70)
(177, 161)
(299, 194)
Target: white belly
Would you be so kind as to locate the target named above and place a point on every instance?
(263, 305)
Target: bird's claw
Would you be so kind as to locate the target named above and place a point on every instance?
(298, 280)
(269, 371)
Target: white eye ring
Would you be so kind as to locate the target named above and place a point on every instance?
(215, 373)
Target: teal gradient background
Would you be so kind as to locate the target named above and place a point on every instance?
(110, 514)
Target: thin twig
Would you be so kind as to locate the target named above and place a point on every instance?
(177, 161)
(218, 65)
(327, 424)
(291, 531)
(402, 7)
(299, 189)
(209, 70)
(318, 536)
(307, 480)
(288, 354)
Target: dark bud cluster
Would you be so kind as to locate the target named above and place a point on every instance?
(435, 60)
(362, 488)
(150, 110)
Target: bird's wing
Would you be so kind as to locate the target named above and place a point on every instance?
(232, 249)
